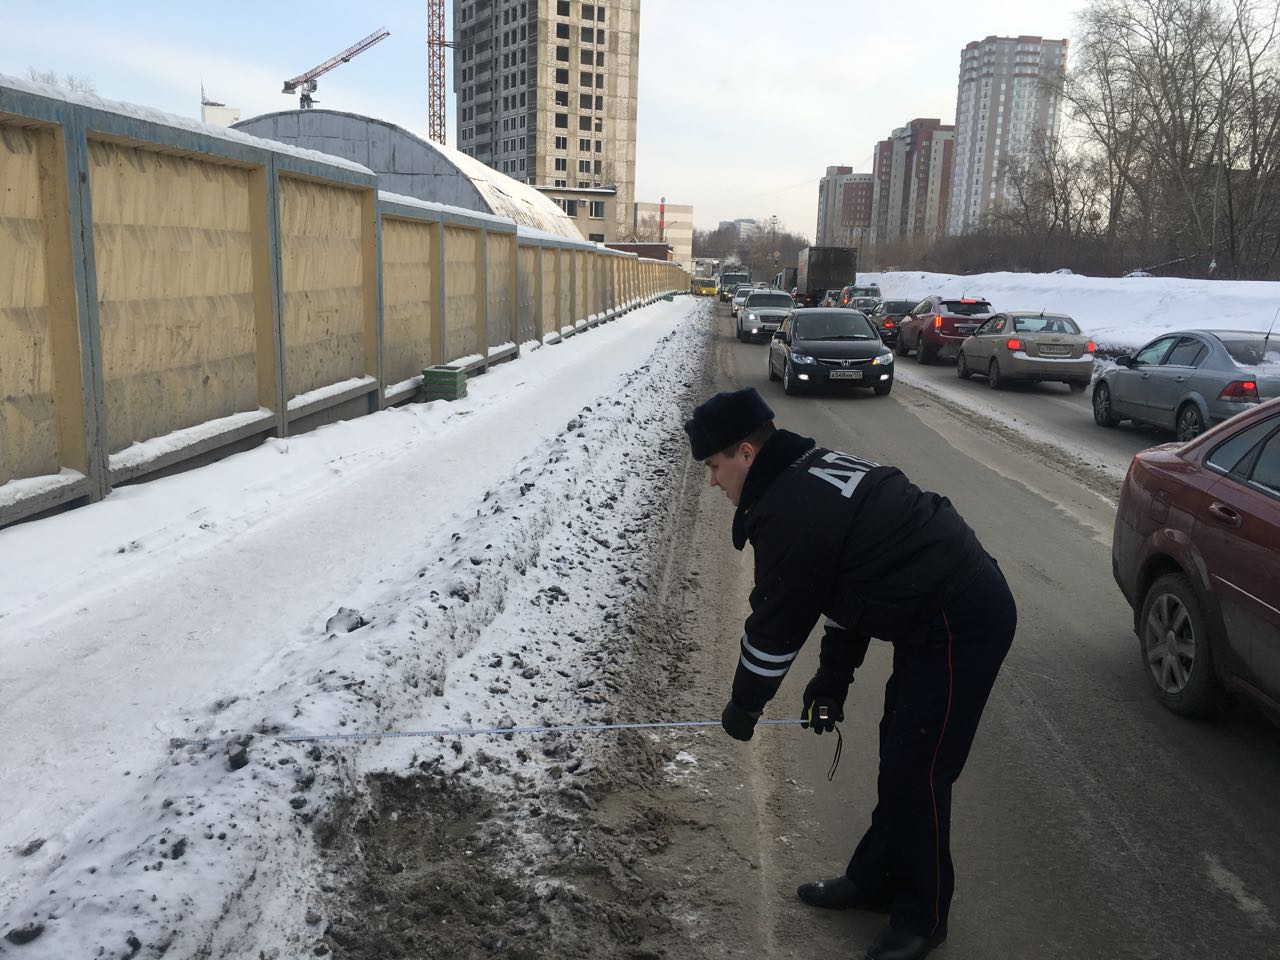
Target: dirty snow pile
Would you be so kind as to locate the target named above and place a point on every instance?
(432, 566)
(1120, 313)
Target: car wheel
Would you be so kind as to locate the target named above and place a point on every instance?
(768, 359)
(994, 378)
(923, 353)
(1173, 636)
(962, 367)
(900, 348)
(1102, 412)
(882, 389)
(1077, 386)
(1190, 422)
(790, 386)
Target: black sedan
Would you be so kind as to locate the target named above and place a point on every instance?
(834, 347)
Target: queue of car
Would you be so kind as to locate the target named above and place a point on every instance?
(1197, 528)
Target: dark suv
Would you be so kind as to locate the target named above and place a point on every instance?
(1197, 535)
(937, 326)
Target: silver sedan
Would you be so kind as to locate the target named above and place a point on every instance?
(1189, 381)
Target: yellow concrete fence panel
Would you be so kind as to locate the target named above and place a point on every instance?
(581, 265)
(173, 252)
(461, 291)
(322, 284)
(28, 428)
(550, 319)
(527, 306)
(565, 316)
(502, 248)
(409, 289)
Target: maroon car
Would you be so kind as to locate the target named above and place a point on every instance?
(937, 326)
(1196, 552)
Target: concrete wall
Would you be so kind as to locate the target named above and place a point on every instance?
(168, 295)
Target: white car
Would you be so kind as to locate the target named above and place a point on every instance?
(741, 295)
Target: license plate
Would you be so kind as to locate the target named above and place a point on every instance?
(966, 327)
(845, 375)
(1051, 350)
(771, 327)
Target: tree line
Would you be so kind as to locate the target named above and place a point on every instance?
(1169, 162)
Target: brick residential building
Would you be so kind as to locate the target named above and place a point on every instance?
(844, 208)
(911, 174)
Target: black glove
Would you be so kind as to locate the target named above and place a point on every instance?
(823, 702)
(738, 722)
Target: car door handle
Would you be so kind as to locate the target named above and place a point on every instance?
(1224, 514)
(1146, 376)
(1179, 379)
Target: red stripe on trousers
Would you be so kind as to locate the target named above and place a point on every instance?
(937, 828)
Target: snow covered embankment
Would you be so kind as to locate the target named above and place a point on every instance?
(1120, 313)
(508, 616)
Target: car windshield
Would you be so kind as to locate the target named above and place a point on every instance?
(1039, 324)
(898, 306)
(834, 326)
(1249, 350)
(770, 300)
(966, 308)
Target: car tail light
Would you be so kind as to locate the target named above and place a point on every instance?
(1014, 344)
(937, 321)
(888, 324)
(1245, 391)
(1090, 347)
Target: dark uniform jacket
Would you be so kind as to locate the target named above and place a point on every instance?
(839, 536)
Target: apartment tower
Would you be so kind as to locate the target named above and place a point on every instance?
(911, 180)
(844, 208)
(1010, 90)
(547, 94)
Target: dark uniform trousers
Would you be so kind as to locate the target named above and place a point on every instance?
(933, 702)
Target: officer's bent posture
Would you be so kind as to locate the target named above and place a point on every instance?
(839, 536)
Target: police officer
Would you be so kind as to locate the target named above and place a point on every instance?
(838, 536)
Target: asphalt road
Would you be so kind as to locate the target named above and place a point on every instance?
(1089, 821)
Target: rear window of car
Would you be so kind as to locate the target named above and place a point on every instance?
(1248, 350)
(898, 306)
(1039, 324)
(966, 308)
(770, 300)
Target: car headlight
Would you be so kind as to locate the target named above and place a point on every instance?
(751, 316)
(801, 358)
(882, 359)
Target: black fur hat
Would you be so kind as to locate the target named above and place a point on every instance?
(724, 420)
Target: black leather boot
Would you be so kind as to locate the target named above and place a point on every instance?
(839, 893)
(891, 944)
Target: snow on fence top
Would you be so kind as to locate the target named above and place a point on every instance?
(189, 124)
(1117, 312)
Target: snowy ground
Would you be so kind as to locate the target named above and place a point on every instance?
(1119, 313)
(437, 565)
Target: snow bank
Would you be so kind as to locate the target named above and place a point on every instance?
(436, 565)
(1119, 313)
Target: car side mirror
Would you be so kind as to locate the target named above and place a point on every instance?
(1124, 360)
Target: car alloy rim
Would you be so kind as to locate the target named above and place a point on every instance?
(786, 376)
(1102, 402)
(1189, 426)
(1170, 643)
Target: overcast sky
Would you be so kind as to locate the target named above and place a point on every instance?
(743, 103)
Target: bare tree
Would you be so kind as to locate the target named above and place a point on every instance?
(69, 82)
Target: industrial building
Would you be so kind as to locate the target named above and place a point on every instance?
(408, 165)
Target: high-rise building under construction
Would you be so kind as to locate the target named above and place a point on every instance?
(547, 94)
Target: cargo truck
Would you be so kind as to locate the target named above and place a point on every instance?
(821, 269)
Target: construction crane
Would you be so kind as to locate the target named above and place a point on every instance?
(306, 82)
(436, 44)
